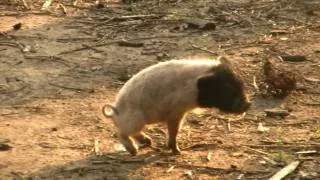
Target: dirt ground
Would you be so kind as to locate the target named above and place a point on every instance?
(65, 62)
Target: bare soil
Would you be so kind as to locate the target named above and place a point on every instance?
(65, 62)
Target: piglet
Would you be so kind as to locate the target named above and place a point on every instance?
(166, 91)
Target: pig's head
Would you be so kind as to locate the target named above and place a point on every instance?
(221, 88)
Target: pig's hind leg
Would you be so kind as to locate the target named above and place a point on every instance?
(129, 128)
(129, 144)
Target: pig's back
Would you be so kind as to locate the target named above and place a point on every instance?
(163, 88)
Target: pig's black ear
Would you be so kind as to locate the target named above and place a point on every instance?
(207, 90)
(206, 80)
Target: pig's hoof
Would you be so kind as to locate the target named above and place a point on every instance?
(176, 151)
(133, 152)
(147, 142)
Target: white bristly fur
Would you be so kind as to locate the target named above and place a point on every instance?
(164, 89)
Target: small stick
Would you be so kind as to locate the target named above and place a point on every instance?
(296, 58)
(139, 16)
(76, 39)
(117, 41)
(53, 58)
(25, 4)
(94, 49)
(46, 4)
(285, 171)
(269, 160)
(16, 90)
(258, 151)
(72, 88)
(307, 152)
(311, 79)
(130, 43)
(209, 156)
(170, 169)
(204, 49)
(229, 125)
(96, 147)
(255, 83)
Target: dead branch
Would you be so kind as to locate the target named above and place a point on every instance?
(210, 170)
(296, 58)
(204, 49)
(201, 146)
(307, 121)
(25, 4)
(281, 145)
(139, 16)
(255, 84)
(8, 114)
(130, 43)
(290, 143)
(258, 151)
(309, 79)
(46, 5)
(72, 88)
(97, 147)
(12, 44)
(307, 152)
(92, 48)
(285, 171)
(117, 41)
(16, 90)
(77, 39)
(46, 58)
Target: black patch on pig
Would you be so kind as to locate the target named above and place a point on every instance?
(222, 89)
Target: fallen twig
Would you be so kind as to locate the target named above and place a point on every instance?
(285, 171)
(311, 79)
(291, 143)
(16, 90)
(308, 121)
(5, 147)
(72, 88)
(310, 104)
(170, 169)
(130, 43)
(204, 49)
(296, 58)
(77, 39)
(255, 83)
(45, 58)
(46, 4)
(139, 16)
(117, 41)
(8, 114)
(210, 170)
(281, 145)
(12, 44)
(307, 152)
(94, 49)
(96, 147)
(26, 36)
(229, 125)
(258, 151)
(200, 146)
(25, 4)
